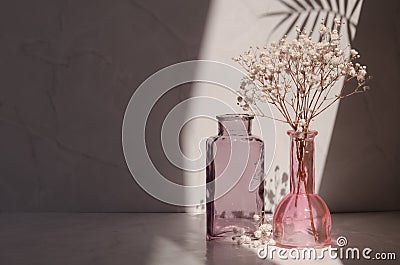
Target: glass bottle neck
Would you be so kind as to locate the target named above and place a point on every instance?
(234, 125)
(302, 163)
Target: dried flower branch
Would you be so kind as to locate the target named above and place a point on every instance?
(298, 76)
(263, 234)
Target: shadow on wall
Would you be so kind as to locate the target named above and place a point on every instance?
(68, 71)
(363, 163)
(276, 187)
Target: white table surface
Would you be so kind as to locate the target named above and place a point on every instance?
(161, 238)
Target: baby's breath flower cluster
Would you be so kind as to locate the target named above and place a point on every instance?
(298, 76)
(263, 234)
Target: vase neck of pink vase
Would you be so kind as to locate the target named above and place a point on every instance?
(302, 163)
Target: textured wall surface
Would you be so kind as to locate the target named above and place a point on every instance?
(68, 69)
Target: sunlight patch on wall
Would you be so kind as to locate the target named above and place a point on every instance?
(233, 26)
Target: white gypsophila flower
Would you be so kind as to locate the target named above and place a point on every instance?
(353, 52)
(352, 72)
(302, 122)
(264, 228)
(258, 233)
(244, 239)
(241, 231)
(241, 240)
(335, 61)
(256, 217)
(235, 230)
(361, 75)
(256, 243)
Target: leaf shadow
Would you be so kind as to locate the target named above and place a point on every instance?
(300, 13)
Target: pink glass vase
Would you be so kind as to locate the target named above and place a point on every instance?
(234, 176)
(302, 218)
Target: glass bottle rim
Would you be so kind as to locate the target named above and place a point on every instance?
(231, 117)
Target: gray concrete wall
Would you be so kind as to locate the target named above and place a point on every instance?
(67, 71)
(362, 171)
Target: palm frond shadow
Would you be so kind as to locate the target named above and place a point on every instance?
(301, 12)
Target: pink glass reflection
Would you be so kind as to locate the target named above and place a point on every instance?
(302, 218)
(236, 154)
